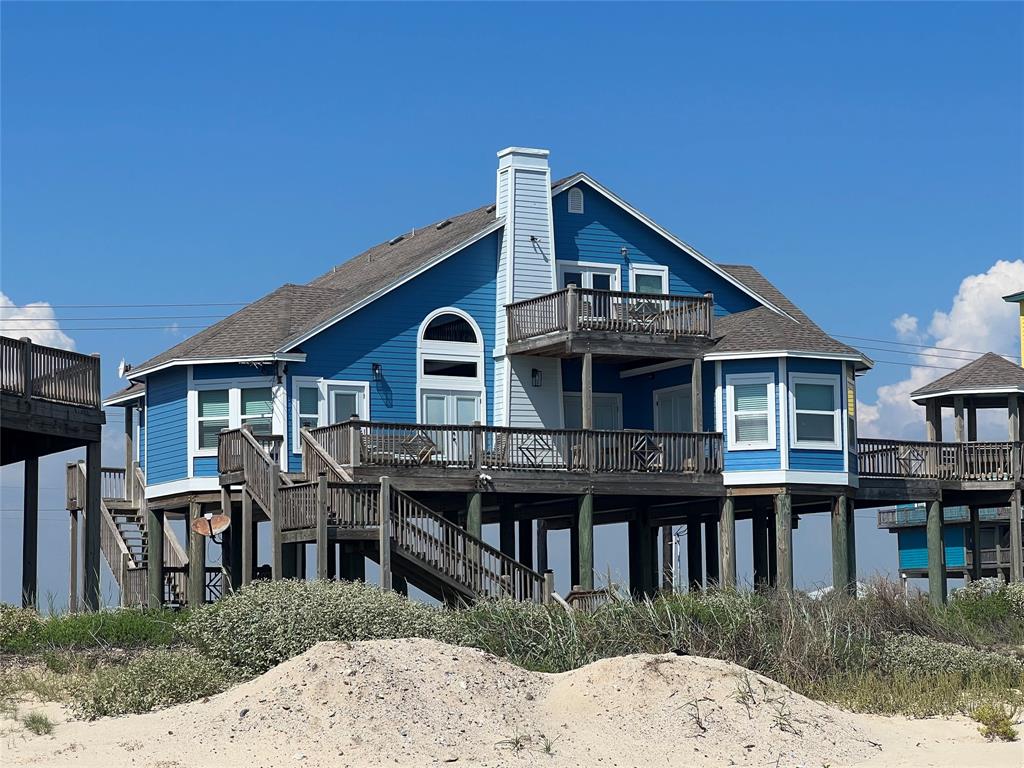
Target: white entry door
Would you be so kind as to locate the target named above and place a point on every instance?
(672, 410)
(452, 408)
(345, 402)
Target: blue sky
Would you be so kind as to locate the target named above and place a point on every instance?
(866, 157)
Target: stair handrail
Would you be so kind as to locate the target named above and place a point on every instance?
(480, 567)
(174, 554)
(322, 460)
(256, 464)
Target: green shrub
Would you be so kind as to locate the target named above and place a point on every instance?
(996, 721)
(913, 654)
(38, 723)
(152, 680)
(268, 622)
(23, 631)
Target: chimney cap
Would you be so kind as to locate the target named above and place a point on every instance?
(523, 157)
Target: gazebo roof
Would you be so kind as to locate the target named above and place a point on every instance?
(989, 375)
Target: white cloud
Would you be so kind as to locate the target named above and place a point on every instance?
(978, 320)
(37, 321)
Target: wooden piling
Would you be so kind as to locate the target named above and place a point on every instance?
(784, 541)
(30, 535)
(322, 543)
(248, 554)
(196, 557)
(384, 512)
(840, 545)
(694, 556)
(727, 541)
(936, 555)
(91, 578)
(585, 523)
(155, 556)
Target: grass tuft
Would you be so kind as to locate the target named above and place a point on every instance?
(38, 723)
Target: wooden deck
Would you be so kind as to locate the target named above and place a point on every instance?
(616, 324)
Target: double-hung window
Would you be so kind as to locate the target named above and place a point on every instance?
(648, 278)
(307, 406)
(258, 410)
(816, 411)
(214, 414)
(750, 411)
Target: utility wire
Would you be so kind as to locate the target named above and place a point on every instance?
(112, 306)
(102, 317)
(920, 346)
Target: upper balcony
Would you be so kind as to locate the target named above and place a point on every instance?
(610, 323)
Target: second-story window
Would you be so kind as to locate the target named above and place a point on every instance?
(214, 415)
(750, 411)
(815, 406)
(258, 409)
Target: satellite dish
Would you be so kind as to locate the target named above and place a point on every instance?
(123, 368)
(211, 525)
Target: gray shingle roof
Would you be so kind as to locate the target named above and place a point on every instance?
(989, 372)
(762, 330)
(134, 390)
(270, 323)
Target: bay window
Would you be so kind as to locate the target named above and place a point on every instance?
(213, 415)
(750, 406)
(258, 410)
(816, 411)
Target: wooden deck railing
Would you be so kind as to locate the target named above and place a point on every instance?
(453, 551)
(112, 483)
(585, 309)
(30, 370)
(381, 444)
(908, 459)
(238, 450)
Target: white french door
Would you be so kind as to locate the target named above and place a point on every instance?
(673, 411)
(452, 407)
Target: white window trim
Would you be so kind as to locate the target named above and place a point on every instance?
(305, 382)
(455, 351)
(829, 379)
(668, 391)
(615, 270)
(327, 385)
(750, 378)
(616, 396)
(234, 387)
(477, 394)
(648, 269)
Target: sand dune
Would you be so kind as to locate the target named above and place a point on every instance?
(423, 703)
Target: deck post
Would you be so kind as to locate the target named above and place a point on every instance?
(355, 443)
(694, 558)
(646, 555)
(696, 398)
(572, 309)
(712, 567)
(196, 557)
(585, 527)
(933, 417)
(507, 529)
(73, 563)
(155, 556)
(574, 551)
(1015, 538)
(771, 545)
(635, 551)
(975, 544)
(384, 526)
(289, 561)
(30, 536)
(727, 541)
(972, 423)
(542, 546)
(759, 525)
(274, 513)
(959, 433)
(322, 543)
(129, 452)
(91, 580)
(246, 539)
(588, 390)
(549, 587)
(840, 545)
(667, 570)
(936, 555)
(525, 550)
(784, 541)
(332, 561)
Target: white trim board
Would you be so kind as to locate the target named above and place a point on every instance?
(785, 477)
(789, 353)
(688, 249)
(947, 392)
(288, 357)
(175, 487)
(433, 262)
(123, 399)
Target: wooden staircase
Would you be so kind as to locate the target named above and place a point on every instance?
(436, 555)
(123, 536)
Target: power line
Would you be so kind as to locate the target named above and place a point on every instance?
(102, 317)
(919, 346)
(172, 327)
(923, 354)
(113, 306)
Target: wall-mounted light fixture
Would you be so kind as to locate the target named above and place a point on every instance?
(377, 370)
(625, 252)
(537, 377)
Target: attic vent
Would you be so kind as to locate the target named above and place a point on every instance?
(394, 240)
(575, 200)
(443, 224)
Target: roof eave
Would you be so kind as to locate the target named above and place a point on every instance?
(865, 362)
(684, 246)
(920, 398)
(126, 398)
(291, 357)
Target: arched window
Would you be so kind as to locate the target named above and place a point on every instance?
(575, 200)
(450, 369)
(450, 327)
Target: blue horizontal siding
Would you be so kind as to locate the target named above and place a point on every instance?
(601, 232)
(141, 443)
(204, 466)
(386, 331)
(913, 548)
(740, 461)
(815, 460)
(166, 393)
